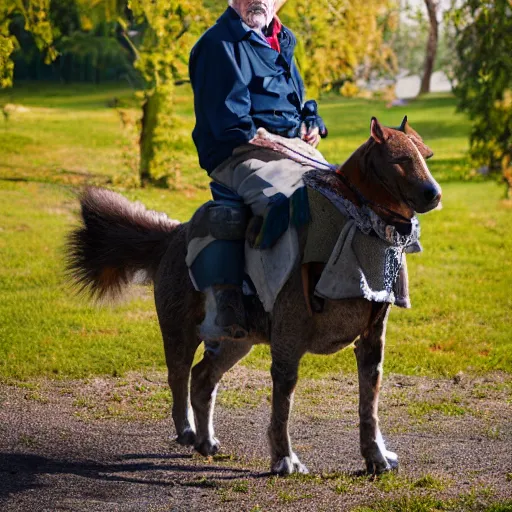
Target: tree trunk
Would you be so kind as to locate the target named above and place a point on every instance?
(431, 46)
(147, 151)
(159, 141)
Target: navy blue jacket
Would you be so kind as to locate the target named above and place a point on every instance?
(240, 84)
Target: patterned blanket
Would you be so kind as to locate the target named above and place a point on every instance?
(358, 264)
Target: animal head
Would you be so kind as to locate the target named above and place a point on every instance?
(397, 157)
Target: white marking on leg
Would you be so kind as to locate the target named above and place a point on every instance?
(209, 330)
(211, 433)
(382, 447)
(190, 416)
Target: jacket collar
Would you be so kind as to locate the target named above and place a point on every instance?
(233, 22)
(239, 30)
(234, 25)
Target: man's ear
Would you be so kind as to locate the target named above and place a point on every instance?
(376, 131)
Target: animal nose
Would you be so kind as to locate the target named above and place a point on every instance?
(432, 193)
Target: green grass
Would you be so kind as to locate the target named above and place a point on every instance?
(45, 330)
(460, 285)
(68, 134)
(433, 117)
(431, 504)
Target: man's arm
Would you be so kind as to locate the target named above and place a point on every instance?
(312, 127)
(221, 92)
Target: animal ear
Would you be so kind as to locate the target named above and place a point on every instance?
(404, 125)
(376, 131)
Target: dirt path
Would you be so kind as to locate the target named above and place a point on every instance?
(103, 445)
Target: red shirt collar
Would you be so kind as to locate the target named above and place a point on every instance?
(272, 38)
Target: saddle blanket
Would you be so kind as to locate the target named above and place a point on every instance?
(358, 265)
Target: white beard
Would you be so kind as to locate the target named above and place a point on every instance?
(257, 21)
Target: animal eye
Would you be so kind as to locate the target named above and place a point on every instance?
(400, 160)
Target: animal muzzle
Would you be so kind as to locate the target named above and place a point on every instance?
(429, 197)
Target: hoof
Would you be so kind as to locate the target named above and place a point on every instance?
(186, 438)
(288, 466)
(208, 447)
(392, 459)
(390, 463)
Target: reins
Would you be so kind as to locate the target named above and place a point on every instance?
(365, 201)
(344, 179)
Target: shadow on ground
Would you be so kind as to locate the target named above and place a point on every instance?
(21, 470)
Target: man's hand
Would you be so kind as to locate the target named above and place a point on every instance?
(313, 127)
(311, 136)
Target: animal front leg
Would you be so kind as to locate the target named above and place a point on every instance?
(370, 356)
(284, 460)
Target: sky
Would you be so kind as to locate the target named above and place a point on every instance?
(445, 4)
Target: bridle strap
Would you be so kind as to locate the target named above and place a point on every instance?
(368, 202)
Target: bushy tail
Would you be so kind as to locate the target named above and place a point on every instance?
(117, 240)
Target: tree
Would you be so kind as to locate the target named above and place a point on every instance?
(170, 29)
(159, 35)
(340, 40)
(483, 71)
(36, 17)
(433, 36)
(7, 45)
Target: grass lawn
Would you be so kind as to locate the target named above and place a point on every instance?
(460, 285)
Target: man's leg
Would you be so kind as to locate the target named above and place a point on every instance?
(258, 174)
(216, 253)
(255, 176)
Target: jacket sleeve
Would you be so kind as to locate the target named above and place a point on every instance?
(220, 92)
(299, 83)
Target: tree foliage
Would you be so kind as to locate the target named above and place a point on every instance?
(408, 41)
(7, 45)
(341, 40)
(36, 17)
(483, 70)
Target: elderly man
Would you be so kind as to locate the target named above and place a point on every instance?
(244, 77)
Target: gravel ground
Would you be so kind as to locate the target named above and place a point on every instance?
(106, 445)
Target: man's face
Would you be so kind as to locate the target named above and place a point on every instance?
(256, 13)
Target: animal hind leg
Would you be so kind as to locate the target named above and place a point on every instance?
(218, 358)
(180, 348)
(370, 355)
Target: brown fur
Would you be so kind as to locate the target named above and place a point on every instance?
(119, 238)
